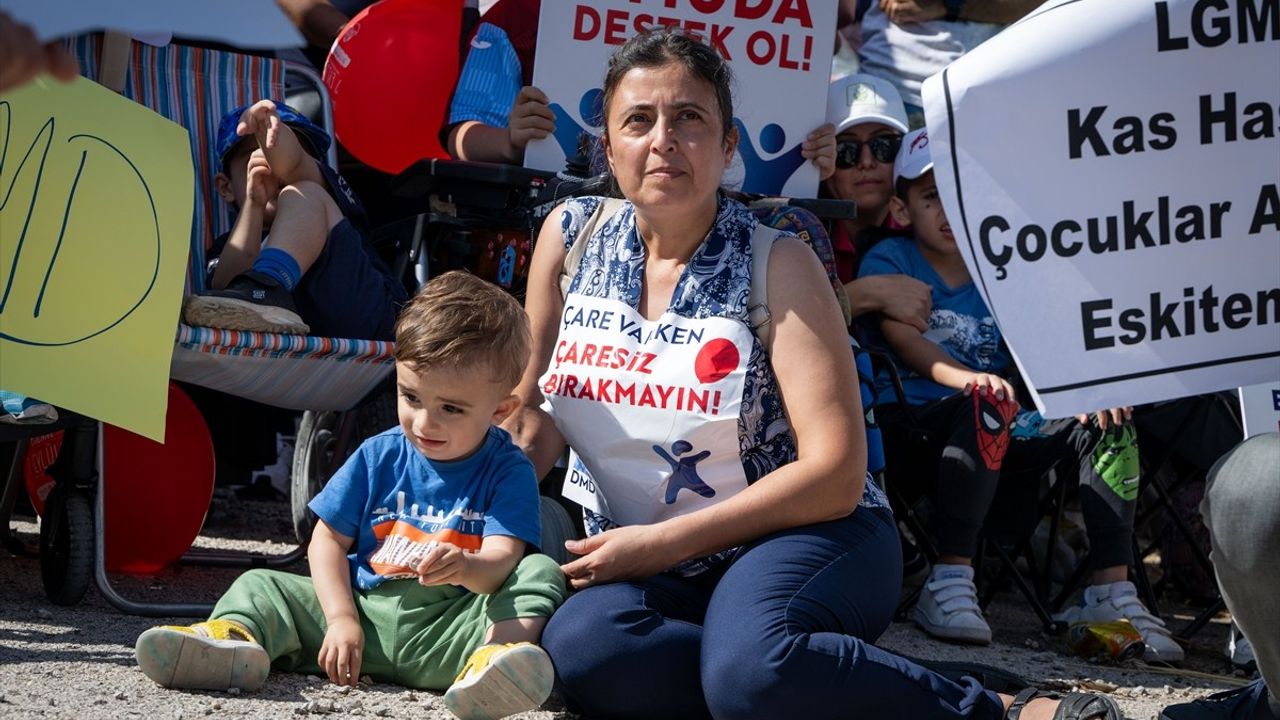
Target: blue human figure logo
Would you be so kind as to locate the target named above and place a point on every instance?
(507, 266)
(767, 177)
(568, 131)
(684, 471)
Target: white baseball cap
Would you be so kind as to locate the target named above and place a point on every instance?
(857, 99)
(913, 158)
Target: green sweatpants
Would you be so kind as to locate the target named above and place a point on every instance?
(415, 636)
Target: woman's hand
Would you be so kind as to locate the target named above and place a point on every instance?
(625, 553)
(897, 297)
(444, 564)
(820, 148)
(340, 652)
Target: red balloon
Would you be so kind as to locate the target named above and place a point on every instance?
(156, 496)
(391, 74)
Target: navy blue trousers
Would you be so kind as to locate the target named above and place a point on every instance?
(785, 630)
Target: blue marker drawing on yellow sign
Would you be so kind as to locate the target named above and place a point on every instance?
(96, 197)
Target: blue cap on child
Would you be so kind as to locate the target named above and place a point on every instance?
(315, 140)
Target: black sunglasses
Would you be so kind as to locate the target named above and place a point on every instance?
(884, 148)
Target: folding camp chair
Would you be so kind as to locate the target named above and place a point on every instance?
(1187, 435)
(195, 87)
(912, 452)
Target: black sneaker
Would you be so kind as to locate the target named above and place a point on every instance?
(915, 566)
(1247, 703)
(251, 301)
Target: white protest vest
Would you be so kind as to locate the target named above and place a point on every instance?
(650, 408)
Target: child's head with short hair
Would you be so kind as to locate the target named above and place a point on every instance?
(916, 202)
(234, 152)
(461, 346)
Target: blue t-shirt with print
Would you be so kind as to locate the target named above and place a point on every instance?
(394, 501)
(960, 323)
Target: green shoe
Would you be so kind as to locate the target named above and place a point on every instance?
(211, 655)
(501, 680)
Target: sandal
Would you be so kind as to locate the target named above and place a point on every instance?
(1072, 706)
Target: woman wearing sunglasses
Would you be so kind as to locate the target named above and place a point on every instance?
(870, 121)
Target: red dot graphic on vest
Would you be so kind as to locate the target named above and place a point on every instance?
(716, 360)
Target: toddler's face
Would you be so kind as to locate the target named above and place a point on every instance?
(928, 220)
(446, 413)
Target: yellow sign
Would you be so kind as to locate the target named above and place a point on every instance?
(96, 197)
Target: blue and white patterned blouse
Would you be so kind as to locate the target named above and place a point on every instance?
(716, 282)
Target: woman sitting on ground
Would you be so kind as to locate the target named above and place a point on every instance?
(739, 564)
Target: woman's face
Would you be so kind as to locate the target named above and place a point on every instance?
(666, 144)
(868, 182)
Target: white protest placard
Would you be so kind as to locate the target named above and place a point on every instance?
(779, 50)
(1112, 174)
(1260, 408)
(242, 23)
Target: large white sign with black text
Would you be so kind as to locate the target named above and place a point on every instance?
(1112, 172)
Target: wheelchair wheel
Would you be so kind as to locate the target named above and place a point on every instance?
(66, 544)
(313, 464)
(325, 440)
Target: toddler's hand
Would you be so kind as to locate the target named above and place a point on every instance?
(261, 121)
(444, 564)
(986, 383)
(1111, 417)
(905, 12)
(340, 652)
(261, 185)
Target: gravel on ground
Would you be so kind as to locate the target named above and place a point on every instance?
(77, 662)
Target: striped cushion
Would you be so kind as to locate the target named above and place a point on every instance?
(291, 371)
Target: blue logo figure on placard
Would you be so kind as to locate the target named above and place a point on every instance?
(568, 131)
(684, 472)
(767, 177)
(507, 266)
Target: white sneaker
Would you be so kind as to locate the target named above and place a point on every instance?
(948, 606)
(1240, 650)
(1119, 601)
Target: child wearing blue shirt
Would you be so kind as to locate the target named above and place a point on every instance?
(417, 574)
(955, 382)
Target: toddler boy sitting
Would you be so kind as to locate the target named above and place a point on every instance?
(417, 574)
(297, 260)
